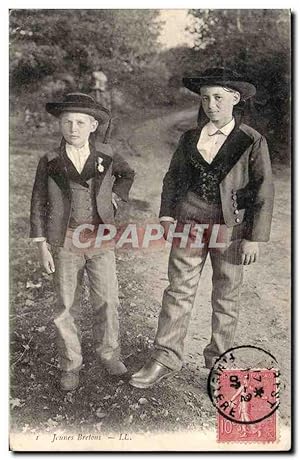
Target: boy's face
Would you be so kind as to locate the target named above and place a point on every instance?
(77, 127)
(218, 103)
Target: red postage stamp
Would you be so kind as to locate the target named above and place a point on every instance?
(246, 401)
(264, 431)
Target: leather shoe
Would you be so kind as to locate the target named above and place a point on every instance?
(152, 373)
(69, 380)
(114, 366)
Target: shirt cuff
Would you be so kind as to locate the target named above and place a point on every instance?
(167, 219)
(39, 239)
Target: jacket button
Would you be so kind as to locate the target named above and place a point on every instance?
(204, 174)
(238, 220)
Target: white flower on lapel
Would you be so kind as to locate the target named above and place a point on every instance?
(100, 166)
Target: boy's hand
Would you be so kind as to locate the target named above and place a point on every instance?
(249, 252)
(46, 258)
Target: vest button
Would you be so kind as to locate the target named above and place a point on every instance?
(236, 211)
(238, 220)
(234, 204)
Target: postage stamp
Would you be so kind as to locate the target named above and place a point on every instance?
(265, 431)
(250, 398)
(246, 399)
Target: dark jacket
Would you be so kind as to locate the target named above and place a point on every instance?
(51, 195)
(246, 177)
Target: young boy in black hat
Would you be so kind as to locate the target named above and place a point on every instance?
(74, 186)
(219, 178)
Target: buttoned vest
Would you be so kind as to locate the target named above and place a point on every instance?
(83, 204)
(205, 177)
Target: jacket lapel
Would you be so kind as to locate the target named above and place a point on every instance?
(61, 169)
(192, 149)
(57, 169)
(72, 172)
(89, 168)
(99, 175)
(231, 151)
(228, 155)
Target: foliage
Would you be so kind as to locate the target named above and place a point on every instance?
(44, 42)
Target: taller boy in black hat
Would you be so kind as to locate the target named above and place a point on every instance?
(220, 176)
(74, 186)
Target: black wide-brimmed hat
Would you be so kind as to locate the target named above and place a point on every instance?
(79, 103)
(220, 76)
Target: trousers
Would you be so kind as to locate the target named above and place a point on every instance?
(100, 266)
(184, 273)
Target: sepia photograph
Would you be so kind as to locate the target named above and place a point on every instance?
(150, 230)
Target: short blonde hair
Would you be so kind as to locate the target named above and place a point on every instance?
(231, 90)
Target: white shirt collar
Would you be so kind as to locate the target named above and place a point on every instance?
(226, 130)
(84, 150)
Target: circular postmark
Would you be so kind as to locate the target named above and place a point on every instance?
(243, 384)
